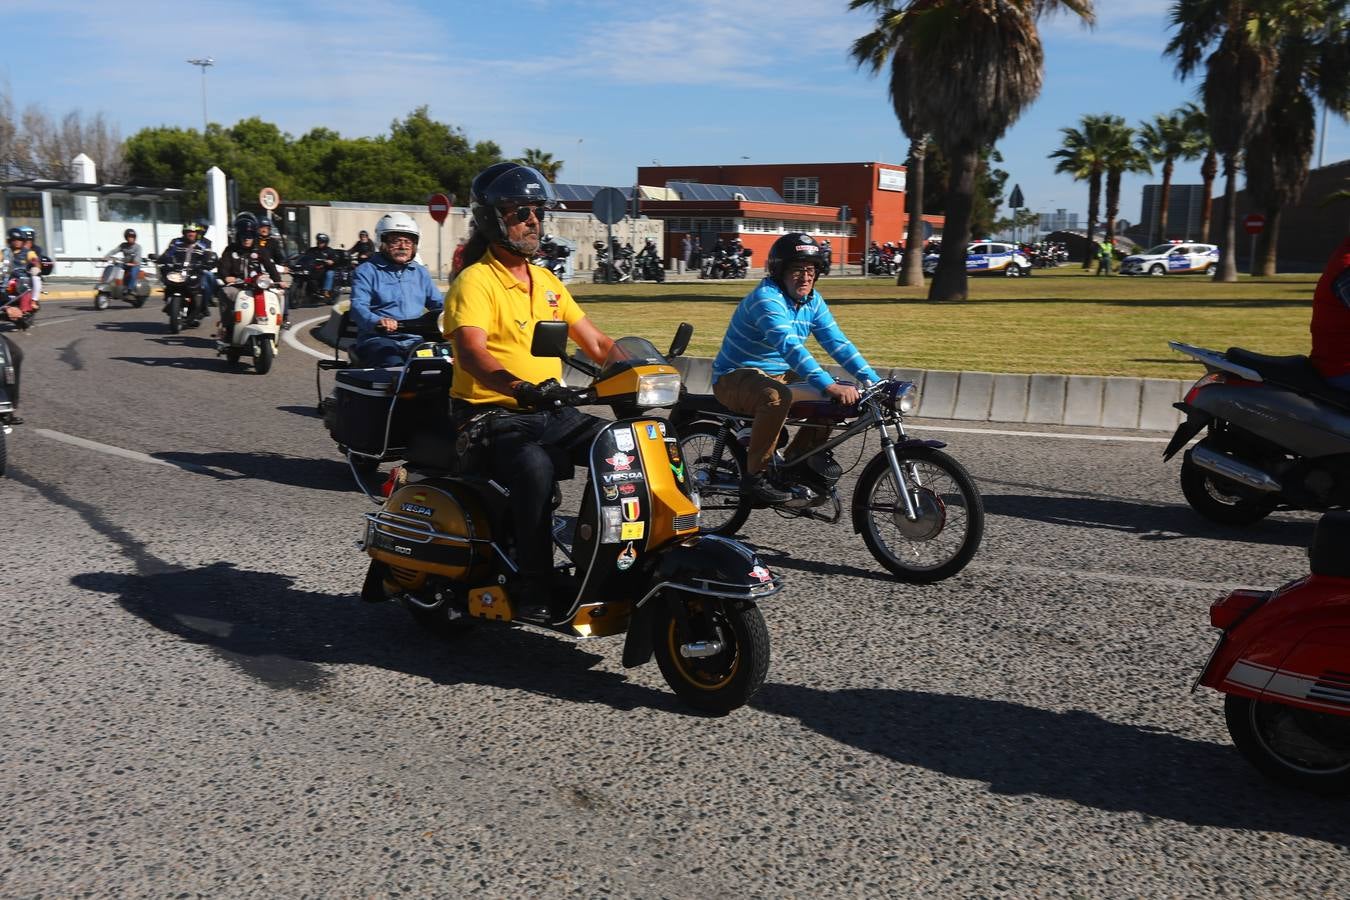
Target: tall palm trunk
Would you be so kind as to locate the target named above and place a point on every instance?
(911, 264)
(1165, 198)
(950, 282)
(1094, 202)
(1228, 252)
(1209, 170)
(1112, 204)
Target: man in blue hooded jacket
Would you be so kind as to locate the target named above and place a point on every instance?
(393, 288)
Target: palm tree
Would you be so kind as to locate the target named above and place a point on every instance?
(1119, 155)
(873, 50)
(982, 58)
(544, 162)
(1165, 140)
(1081, 156)
(1239, 76)
(1197, 130)
(1314, 59)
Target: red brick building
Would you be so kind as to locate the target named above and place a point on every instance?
(813, 195)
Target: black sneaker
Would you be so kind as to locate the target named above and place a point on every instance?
(757, 487)
(286, 325)
(529, 600)
(15, 419)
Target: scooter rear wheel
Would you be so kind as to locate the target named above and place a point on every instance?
(1297, 747)
(726, 679)
(1220, 500)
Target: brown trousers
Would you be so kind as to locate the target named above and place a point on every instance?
(768, 398)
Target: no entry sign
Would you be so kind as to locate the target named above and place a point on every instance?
(1255, 223)
(439, 207)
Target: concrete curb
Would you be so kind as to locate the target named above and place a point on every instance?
(1040, 399)
(1092, 400)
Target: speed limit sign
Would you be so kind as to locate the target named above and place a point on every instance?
(269, 199)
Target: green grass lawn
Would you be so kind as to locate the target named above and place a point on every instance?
(1059, 320)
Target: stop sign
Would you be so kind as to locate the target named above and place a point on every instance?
(1255, 223)
(439, 207)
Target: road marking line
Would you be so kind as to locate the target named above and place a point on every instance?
(1115, 577)
(1039, 434)
(290, 338)
(109, 449)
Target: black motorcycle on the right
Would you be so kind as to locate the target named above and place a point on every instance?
(916, 508)
(1277, 436)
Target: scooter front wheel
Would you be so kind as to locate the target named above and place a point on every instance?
(262, 362)
(949, 526)
(175, 315)
(100, 300)
(1297, 747)
(713, 651)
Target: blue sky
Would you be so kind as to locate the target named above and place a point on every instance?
(602, 85)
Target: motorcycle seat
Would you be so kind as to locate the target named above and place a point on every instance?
(802, 409)
(1295, 372)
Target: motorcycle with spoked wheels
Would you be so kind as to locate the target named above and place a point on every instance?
(633, 561)
(917, 509)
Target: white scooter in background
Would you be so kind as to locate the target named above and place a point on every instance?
(255, 321)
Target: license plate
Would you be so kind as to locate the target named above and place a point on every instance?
(1205, 668)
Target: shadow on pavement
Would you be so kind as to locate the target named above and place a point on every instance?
(309, 412)
(319, 474)
(158, 327)
(195, 363)
(284, 637)
(1075, 756)
(1150, 521)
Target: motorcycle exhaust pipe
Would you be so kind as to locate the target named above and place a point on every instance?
(1231, 469)
(700, 649)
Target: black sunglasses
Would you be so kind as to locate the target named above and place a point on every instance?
(521, 213)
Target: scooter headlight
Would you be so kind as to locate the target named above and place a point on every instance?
(658, 390)
(175, 277)
(264, 283)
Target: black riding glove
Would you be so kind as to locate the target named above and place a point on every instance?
(548, 394)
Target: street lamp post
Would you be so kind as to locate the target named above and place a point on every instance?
(205, 63)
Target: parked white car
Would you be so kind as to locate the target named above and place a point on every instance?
(1172, 258)
(988, 258)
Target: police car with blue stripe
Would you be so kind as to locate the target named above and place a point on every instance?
(1172, 258)
(988, 258)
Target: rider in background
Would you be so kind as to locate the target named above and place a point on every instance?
(234, 269)
(43, 264)
(1331, 320)
(24, 262)
(764, 353)
(190, 249)
(132, 254)
(390, 288)
(321, 278)
(363, 249)
(269, 245)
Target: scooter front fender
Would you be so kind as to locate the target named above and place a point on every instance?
(704, 564)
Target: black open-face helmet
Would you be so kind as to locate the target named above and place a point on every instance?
(14, 234)
(792, 247)
(129, 234)
(503, 186)
(320, 238)
(246, 229)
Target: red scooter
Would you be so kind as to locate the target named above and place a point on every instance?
(1284, 662)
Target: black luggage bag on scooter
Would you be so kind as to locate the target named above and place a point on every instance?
(364, 398)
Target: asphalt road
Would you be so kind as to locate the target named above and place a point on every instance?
(195, 702)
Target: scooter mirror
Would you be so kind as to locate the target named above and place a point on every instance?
(550, 339)
(681, 341)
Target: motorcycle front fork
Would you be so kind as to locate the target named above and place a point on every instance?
(902, 483)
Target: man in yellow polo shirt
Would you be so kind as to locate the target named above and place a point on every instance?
(490, 316)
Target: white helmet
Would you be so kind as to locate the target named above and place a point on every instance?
(397, 223)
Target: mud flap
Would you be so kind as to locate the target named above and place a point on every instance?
(637, 647)
(372, 589)
(1196, 420)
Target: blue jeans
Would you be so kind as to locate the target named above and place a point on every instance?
(381, 351)
(129, 282)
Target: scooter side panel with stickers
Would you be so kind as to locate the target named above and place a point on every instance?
(1297, 423)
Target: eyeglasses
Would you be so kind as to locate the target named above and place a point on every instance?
(802, 271)
(401, 241)
(521, 213)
